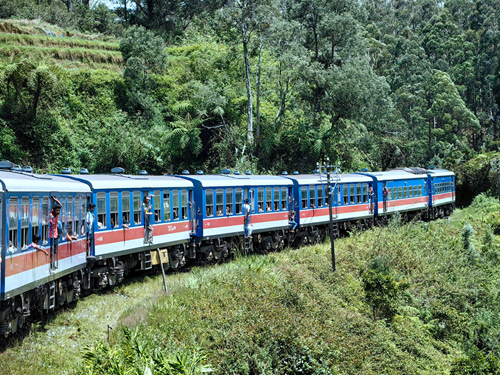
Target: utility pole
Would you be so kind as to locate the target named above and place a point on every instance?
(331, 196)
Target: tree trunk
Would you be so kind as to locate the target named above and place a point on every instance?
(36, 97)
(125, 10)
(244, 29)
(257, 126)
(70, 5)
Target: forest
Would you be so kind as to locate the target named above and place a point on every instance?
(260, 85)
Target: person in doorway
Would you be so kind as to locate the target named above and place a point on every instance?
(246, 213)
(54, 226)
(147, 211)
(371, 195)
(291, 221)
(385, 193)
(89, 224)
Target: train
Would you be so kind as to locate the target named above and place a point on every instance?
(145, 222)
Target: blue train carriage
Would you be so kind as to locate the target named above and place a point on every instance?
(441, 184)
(125, 238)
(407, 191)
(219, 213)
(32, 281)
(352, 203)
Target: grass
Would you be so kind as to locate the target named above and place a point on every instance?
(289, 313)
(37, 27)
(68, 54)
(48, 41)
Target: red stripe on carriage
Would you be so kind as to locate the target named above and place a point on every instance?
(308, 213)
(133, 233)
(441, 196)
(29, 260)
(403, 202)
(261, 217)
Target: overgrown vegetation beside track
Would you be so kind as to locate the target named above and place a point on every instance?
(289, 313)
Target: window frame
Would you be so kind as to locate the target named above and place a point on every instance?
(209, 207)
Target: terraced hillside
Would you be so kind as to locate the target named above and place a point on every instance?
(48, 42)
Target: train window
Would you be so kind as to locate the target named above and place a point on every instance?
(352, 193)
(276, 198)
(260, 200)
(209, 197)
(410, 191)
(77, 215)
(229, 202)
(125, 208)
(69, 217)
(184, 204)
(157, 206)
(284, 198)
(346, 193)
(136, 199)
(312, 196)
(13, 224)
(405, 192)
(320, 196)
(400, 191)
(415, 192)
(166, 205)
(101, 210)
(365, 193)
(219, 202)
(175, 203)
(303, 195)
(389, 194)
(25, 222)
(239, 201)
(35, 217)
(113, 209)
(269, 199)
(80, 227)
(62, 216)
(359, 193)
(45, 220)
(419, 190)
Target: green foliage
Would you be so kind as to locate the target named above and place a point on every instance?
(476, 363)
(136, 354)
(382, 292)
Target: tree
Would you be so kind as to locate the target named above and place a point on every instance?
(144, 54)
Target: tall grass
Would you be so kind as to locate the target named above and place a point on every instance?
(61, 42)
(71, 54)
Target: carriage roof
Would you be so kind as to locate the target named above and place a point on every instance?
(30, 182)
(231, 180)
(123, 181)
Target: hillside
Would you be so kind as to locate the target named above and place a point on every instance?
(289, 313)
(54, 45)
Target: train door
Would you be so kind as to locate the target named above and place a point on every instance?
(191, 210)
(2, 251)
(148, 213)
(452, 188)
(52, 228)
